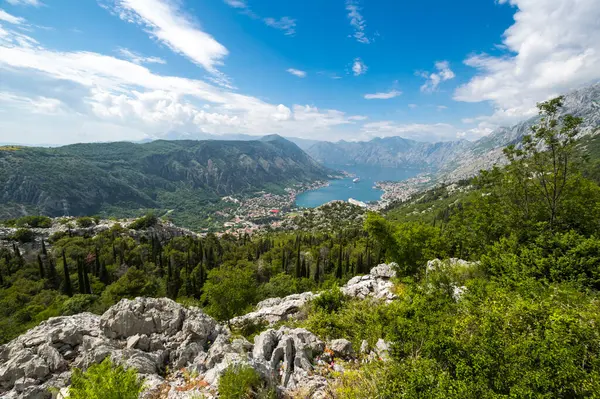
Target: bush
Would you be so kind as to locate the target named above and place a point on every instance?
(85, 221)
(42, 222)
(105, 381)
(242, 382)
(144, 222)
(23, 236)
(329, 301)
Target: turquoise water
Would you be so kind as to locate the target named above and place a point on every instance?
(343, 189)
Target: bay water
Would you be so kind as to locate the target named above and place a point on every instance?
(344, 189)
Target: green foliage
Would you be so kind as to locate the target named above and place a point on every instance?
(23, 235)
(243, 382)
(330, 300)
(229, 291)
(42, 222)
(85, 221)
(144, 222)
(135, 282)
(105, 381)
(410, 245)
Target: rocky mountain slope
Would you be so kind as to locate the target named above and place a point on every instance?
(85, 179)
(454, 160)
(152, 335)
(487, 151)
(388, 152)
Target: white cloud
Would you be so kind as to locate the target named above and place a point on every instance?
(286, 24)
(11, 19)
(434, 79)
(34, 3)
(357, 21)
(358, 118)
(412, 106)
(552, 47)
(297, 72)
(383, 96)
(415, 131)
(38, 105)
(441, 107)
(165, 22)
(137, 58)
(359, 67)
(236, 3)
(117, 92)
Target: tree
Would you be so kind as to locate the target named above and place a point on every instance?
(229, 290)
(544, 164)
(67, 287)
(41, 266)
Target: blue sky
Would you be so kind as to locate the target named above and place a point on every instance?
(88, 70)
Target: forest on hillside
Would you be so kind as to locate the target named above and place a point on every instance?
(525, 325)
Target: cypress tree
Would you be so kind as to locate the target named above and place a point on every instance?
(80, 278)
(44, 251)
(67, 287)
(86, 279)
(298, 271)
(53, 275)
(1, 278)
(104, 274)
(41, 266)
(97, 263)
(338, 270)
(318, 270)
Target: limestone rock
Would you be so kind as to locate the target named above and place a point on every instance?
(376, 284)
(274, 310)
(341, 348)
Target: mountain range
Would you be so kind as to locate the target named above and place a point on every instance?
(85, 179)
(452, 160)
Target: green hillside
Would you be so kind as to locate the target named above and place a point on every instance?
(125, 179)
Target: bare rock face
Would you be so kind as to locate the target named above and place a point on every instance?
(274, 310)
(150, 334)
(144, 333)
(376, 284)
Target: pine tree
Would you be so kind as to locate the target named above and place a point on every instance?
(67, 286)
(41, 266)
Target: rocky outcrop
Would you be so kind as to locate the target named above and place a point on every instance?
(147, 334)
(152, 334)
(274, 310)
(376, 284)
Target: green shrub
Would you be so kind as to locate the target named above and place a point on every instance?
(43, 222)
(85, 221)
(243, 382)
(144, 222)
(105, 381)
(329, 300)
(23, 235)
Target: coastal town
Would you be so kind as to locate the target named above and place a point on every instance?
(268, 211)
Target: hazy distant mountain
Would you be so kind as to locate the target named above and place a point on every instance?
(453, 159)
(90, 178)
(388, 152)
